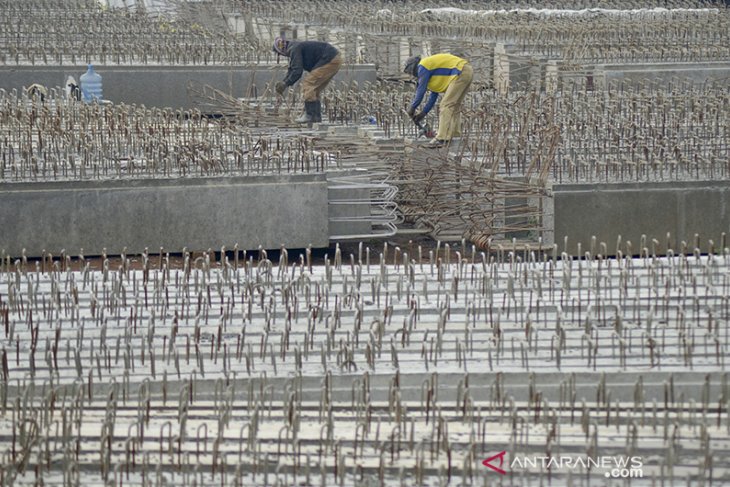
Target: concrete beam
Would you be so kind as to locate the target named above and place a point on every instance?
(663, 73)
(678, 208)
(198, 213)
(167, 86)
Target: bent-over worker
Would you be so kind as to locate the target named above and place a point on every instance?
(320, 59)
(440, 73)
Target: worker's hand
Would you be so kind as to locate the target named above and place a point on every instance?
(280, 87)
(417, 118)
(411, 111)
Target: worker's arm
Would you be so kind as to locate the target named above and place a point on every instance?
(423, 76)
(431, 102)
(296, 66)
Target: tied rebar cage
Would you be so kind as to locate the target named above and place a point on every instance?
(409, 361)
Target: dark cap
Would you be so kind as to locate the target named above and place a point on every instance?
(411, 66)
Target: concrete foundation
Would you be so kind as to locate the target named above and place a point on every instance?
(681, 209)
(196, 213)
(167, 86)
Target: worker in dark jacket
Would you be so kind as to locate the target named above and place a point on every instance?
(320, 59)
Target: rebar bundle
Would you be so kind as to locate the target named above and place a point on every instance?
(455, 198)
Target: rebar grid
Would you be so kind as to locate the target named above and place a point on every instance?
(646, 131)
(61, 139)
(83, 32)
(617, 32)
(404, 366)
(628, 132)
(491, 185)
(204, 33)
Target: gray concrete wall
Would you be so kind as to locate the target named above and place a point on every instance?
(167, 86)
(631, 210)
(197, 213)
(600, 76)
(663, 73)
(522, 73)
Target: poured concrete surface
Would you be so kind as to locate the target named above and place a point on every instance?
(207, 371)
(680, 208)
(167, 86)
(197, 213)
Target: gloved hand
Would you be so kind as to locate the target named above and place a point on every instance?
(280, 87)
(419, 117)
(411, 111)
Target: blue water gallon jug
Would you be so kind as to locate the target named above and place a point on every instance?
(91, 85)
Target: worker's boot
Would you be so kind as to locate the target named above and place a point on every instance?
(308, 114)
(317, 111)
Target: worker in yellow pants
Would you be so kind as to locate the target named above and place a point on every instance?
(440, 73)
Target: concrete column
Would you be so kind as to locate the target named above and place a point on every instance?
(548, 217)
(551, 77)
(599, 78)
(237, 24)
(404, 52)
(427, 48)
(359, 49)
(501, 69)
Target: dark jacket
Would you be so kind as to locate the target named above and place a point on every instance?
(307, 56)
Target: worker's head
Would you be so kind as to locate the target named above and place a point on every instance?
(37, 91)
(412, 66)
(281, 46)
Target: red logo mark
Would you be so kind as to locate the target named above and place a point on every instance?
(487, 462)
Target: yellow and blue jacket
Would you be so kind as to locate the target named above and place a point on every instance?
(435, 73)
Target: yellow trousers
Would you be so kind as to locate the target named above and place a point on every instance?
(450, 107)
(317, 80)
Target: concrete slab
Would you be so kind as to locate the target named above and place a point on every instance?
(197, 213)
(167, 86)
(680, 208)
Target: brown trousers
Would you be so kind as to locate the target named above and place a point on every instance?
(450, 107)
(317, 80)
